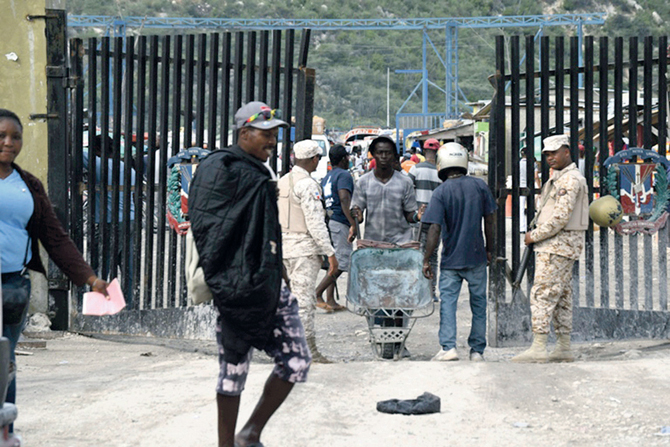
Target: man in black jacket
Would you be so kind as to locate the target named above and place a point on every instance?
(235, 224)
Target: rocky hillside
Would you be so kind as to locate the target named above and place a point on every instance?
(352, 65)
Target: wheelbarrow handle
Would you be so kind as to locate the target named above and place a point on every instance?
(358, 228)
(418, 236)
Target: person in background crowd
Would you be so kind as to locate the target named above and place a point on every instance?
(425, 179)
(414, 150)
(359, 162)
(26, 217)
(523, 183)
(558, 240)
(305, 238)
(397, 166)
(235, 224)
(407, 163)
(419, 154)
(338, 186)
(372, 163)
(103, 203)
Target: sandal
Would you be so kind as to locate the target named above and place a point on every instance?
(325, 306)
(337, 307)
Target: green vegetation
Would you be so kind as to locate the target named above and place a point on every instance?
(352, 65)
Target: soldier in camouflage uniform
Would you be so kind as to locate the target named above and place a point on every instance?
(305, 237)
(558, 240)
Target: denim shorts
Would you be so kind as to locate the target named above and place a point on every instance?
(339, 234)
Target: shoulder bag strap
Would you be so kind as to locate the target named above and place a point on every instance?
(25, 257)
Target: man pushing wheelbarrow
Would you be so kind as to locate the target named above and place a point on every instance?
(385, 283)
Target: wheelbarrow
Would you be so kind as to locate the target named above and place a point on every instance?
(386, 285)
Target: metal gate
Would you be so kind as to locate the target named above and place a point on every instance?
(134, 103)
(620, 90)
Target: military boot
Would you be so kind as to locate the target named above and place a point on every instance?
(562, 352)
(537, 352)
(317, 357)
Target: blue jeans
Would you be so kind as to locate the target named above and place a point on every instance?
(12, 332)
(450, 288)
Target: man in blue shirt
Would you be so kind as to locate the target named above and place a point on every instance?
(96, 146)
(338, 187)
(456, 210)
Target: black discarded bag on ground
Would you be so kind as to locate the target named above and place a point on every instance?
(425, 404)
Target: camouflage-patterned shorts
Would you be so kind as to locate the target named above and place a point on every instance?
(287, 347)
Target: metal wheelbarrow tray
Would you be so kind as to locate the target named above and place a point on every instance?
(387, 286)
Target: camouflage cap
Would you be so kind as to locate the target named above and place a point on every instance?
(306, 149)
(555, 142)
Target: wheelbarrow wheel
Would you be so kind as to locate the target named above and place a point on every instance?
(388, 350)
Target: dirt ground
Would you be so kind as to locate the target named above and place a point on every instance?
(121, 391)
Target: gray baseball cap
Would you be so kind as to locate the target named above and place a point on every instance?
(259, 115)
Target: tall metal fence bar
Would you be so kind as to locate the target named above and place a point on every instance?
(603, 154)
(515, 91)
(618, 140)
(175, 276)
(662, 150)
(138, 101)
(632, 132)
(615, 100)
(128, 121)
(575, 123)
(530, 145)
(589, 166)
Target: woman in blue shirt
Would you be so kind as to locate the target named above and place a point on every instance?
(26, 216)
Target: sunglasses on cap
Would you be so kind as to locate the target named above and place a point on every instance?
(265, 114)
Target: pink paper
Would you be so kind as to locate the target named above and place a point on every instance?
(97, 304)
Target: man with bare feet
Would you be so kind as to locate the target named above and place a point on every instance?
(338, 186)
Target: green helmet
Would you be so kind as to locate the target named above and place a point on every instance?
(606, 211)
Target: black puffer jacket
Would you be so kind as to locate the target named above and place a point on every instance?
(233, 211)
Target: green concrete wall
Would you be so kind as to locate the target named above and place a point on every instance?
(23, 80)
(23, 89)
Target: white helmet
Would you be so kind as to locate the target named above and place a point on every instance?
(452, 155)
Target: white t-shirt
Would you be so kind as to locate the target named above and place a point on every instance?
(523, 177)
